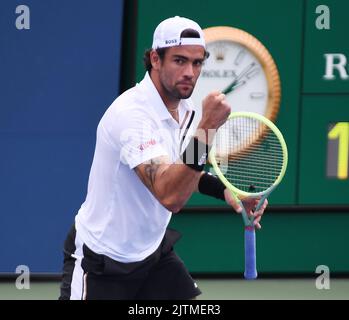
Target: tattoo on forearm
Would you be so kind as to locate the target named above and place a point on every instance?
(149, 173)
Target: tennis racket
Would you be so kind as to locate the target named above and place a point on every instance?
(249, 155)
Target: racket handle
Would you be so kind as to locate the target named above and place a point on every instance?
(250, 253)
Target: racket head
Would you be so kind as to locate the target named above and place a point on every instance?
(249, 145)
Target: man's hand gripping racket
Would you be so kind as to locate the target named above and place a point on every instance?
(249, 155)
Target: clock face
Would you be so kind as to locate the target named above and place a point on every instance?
(232, 64)
(240, 66)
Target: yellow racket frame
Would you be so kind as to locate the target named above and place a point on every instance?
(235, 191)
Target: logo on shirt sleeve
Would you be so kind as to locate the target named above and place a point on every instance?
(147, 144)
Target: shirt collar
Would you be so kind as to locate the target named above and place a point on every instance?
(155, 100)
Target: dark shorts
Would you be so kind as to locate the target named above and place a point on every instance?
(160, 276)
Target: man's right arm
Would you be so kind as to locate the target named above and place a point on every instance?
(173, 184)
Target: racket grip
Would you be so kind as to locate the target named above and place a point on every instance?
(250, 253)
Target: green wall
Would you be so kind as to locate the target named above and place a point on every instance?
(288, 242)
(296, 242)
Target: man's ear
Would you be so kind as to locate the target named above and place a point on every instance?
(155, 60)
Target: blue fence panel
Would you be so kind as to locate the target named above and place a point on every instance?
(56, 80)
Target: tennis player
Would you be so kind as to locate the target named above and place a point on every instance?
(147, 163)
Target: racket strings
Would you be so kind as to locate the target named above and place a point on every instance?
(249, 154)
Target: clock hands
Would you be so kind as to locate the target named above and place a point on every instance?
(237, 82)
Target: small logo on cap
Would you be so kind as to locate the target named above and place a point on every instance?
(172, 41)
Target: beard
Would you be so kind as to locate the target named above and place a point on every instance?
(174, 92)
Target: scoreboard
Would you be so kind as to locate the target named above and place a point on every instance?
(324, 114)
(337, 150)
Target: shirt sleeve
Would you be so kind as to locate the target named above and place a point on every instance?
(137, 136)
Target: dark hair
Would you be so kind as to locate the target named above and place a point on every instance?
(187, 33)
(146, 58)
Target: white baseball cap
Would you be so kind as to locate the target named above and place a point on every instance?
(168, 33)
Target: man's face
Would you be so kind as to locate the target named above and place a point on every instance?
(180, 69)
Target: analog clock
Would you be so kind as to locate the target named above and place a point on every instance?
(241, 67)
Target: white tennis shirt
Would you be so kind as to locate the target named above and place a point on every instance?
(120, 217)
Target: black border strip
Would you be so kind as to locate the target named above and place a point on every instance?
(128, 46)
(37, 277)
(300, 102)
